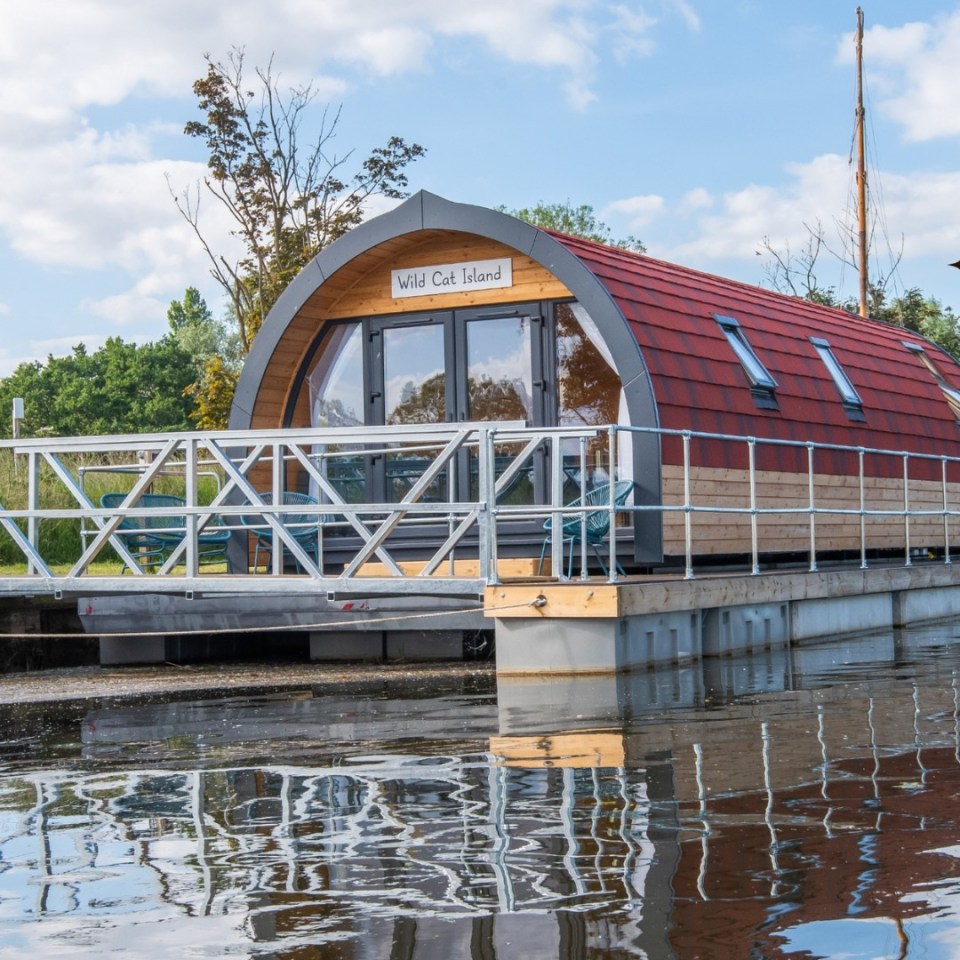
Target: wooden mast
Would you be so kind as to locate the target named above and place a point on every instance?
(861, 175)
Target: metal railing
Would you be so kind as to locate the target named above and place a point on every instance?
(224, 478)
(906, 462)
(253, 471)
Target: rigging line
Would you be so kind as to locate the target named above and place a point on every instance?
(877, 200)
(280, 628)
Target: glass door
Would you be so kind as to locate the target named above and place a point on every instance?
(409, 379)
(499, 362)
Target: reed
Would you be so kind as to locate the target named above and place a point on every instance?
(60, 539)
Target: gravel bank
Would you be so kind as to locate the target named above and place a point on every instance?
(100, 683)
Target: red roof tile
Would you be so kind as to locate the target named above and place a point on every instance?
(699, 384)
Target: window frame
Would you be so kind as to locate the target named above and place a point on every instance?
(762, 383)
(852, 401)
(950, 393)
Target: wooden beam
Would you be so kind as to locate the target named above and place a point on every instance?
(554, 600)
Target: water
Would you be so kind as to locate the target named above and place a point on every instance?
(800, 804)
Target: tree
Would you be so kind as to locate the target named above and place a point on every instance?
(212, 394)
(796, 274)
(121, 388)
(286, 203)
(578, 221)
(913, 310)
(216, 357)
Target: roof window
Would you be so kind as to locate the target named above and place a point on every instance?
(848, 393)
(762, 385)
(951, 394)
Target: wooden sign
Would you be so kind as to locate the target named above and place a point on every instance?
(452, 278)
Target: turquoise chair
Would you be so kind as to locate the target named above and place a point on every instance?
(153, 539)
(303, 527)
(593, 526)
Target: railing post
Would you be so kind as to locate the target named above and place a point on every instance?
(813, 509)
(487, 496)
(556, 502)
(863, 513)
(754, 545)
(687, 509)
(612, 502)
(946, 513)
(190, 519)
(584, 574)
(452, 494)
(277, 484)
(906, 509)
(33, 503)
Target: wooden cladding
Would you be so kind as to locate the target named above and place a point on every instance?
(728, 534)
(362, 288)
(370, 295)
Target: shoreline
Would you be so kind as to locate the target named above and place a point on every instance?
(219, 679)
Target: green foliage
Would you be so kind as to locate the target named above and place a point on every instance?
(215, 354)
(212, 394)
(286, 202)
(192, 311)
(574, 221)
(59, 538)
(121, 388)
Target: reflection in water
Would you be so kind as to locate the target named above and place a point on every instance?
(779, 805)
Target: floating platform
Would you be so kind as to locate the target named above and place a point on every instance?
(543, 626)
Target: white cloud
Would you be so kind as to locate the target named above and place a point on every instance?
(84, 190)
(816, 191)
(696, 199)
(920, 210)
(635, 211)
(915, 69)
(690, 16)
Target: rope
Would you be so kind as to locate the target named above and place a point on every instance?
(538, 601)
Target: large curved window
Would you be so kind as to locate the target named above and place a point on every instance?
(543, 364)
(588, 390)
(336, 382)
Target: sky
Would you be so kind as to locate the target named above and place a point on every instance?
(710, 129)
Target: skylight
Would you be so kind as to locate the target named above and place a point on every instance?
(848, 393)
(762, 384)
(951, 394)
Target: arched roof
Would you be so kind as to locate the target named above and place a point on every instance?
(658, 320)
(424, 212)
(699, 384)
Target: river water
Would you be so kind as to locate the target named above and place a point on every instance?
(800, 803)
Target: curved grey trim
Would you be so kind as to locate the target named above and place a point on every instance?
(426, 211)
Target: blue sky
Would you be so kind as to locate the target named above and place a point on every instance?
(699, 126)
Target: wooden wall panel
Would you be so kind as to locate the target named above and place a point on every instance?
(363, 288)
(716, 533)
(370, 295)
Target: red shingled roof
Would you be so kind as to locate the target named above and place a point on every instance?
(699, 384)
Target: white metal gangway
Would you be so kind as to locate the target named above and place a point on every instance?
(455, 491)
(231, 486)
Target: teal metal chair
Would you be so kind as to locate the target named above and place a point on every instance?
(153, 539)
(303, 527)
(593, 525)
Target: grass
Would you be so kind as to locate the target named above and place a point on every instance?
(100, 568)
(60, 540)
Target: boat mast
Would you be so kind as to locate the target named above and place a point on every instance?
(861, 175)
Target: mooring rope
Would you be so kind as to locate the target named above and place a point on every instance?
(537, 602)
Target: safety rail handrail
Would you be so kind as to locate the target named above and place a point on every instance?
(501, 451)
(811, 510)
